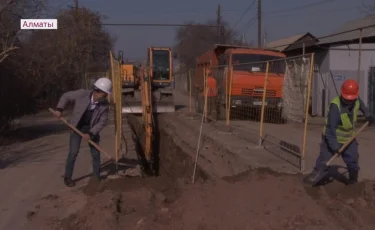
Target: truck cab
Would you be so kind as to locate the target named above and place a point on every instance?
(160, 65)
(248, 76)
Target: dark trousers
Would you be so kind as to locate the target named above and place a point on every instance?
(350, 155)
(74, 145)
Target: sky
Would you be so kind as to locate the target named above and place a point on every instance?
(281, 18)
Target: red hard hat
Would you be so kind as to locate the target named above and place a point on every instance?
(350, 90)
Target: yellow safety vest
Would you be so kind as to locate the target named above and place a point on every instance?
(346, 130)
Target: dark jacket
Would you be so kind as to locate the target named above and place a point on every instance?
(334, 120)
(82, 99)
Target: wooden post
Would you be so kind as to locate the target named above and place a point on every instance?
(261, 129)
(230, 94)
(309, 86)
(190, 91)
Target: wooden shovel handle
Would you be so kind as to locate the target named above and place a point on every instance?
(343, 147)
(81, 134)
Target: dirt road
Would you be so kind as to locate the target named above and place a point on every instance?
(33, 196)
(31, 171)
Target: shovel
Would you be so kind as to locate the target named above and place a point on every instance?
(322, 173)
(91, 142)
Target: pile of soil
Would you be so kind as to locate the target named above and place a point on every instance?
(255, 200)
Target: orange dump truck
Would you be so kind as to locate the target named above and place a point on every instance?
(249, 69)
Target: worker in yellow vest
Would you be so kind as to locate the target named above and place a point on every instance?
(339, 128)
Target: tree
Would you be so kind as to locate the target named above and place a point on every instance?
(194, 40)
(11, 12)
(59, 58)
(45, 63)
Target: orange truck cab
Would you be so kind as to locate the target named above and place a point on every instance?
(248, 76)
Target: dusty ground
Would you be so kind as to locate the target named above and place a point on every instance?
(256, 199)
(227, 194)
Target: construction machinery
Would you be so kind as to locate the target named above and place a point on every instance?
(128, 72)
(247, 79)
(158, 71)
(148, 90)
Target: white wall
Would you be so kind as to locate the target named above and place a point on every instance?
(345, 63)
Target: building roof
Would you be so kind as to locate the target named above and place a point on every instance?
(352, 26)
(284, 43)
(229, 46)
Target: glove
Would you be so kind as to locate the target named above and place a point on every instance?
(336, 150)
(370, 120)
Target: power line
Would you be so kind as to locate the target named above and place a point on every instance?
(179, 12)
(327, 36)
(158, 25)
(249, 23)
(244, 13)
(309, 13)
(297, 8)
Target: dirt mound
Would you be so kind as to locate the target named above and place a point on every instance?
(256, 200)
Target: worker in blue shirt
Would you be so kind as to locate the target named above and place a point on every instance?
(339, 128)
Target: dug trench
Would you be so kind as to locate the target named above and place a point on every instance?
(256, 199)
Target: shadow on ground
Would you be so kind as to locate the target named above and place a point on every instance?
(24, 151)
(40, 153)
(32, 132)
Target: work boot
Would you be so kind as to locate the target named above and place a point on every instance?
(69, 182)
(353, 177)
(317, 177)
(311, 177)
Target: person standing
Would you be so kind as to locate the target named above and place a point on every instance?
(90, 115)
(339, 128)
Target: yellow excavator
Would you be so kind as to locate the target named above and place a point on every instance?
(159, 71)
(149, 91)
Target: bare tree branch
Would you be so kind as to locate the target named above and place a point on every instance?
(193, 41)
(36, 69)
(10, 14)
(5, 5)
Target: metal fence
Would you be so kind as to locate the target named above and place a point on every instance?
(269, 98)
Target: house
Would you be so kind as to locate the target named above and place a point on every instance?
(293, 45)
(336, 59)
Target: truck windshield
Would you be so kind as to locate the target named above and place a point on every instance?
(160, 64)
(257, 63)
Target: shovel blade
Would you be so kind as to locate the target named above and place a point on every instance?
(316, 177)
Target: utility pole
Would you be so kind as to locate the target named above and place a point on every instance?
(77, 7)
(265, 39)
(259, 23)
(218, 23)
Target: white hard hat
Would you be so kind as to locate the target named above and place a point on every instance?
(104, 84)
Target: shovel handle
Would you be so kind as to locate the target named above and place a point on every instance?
(343, 147)
(81, 134)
